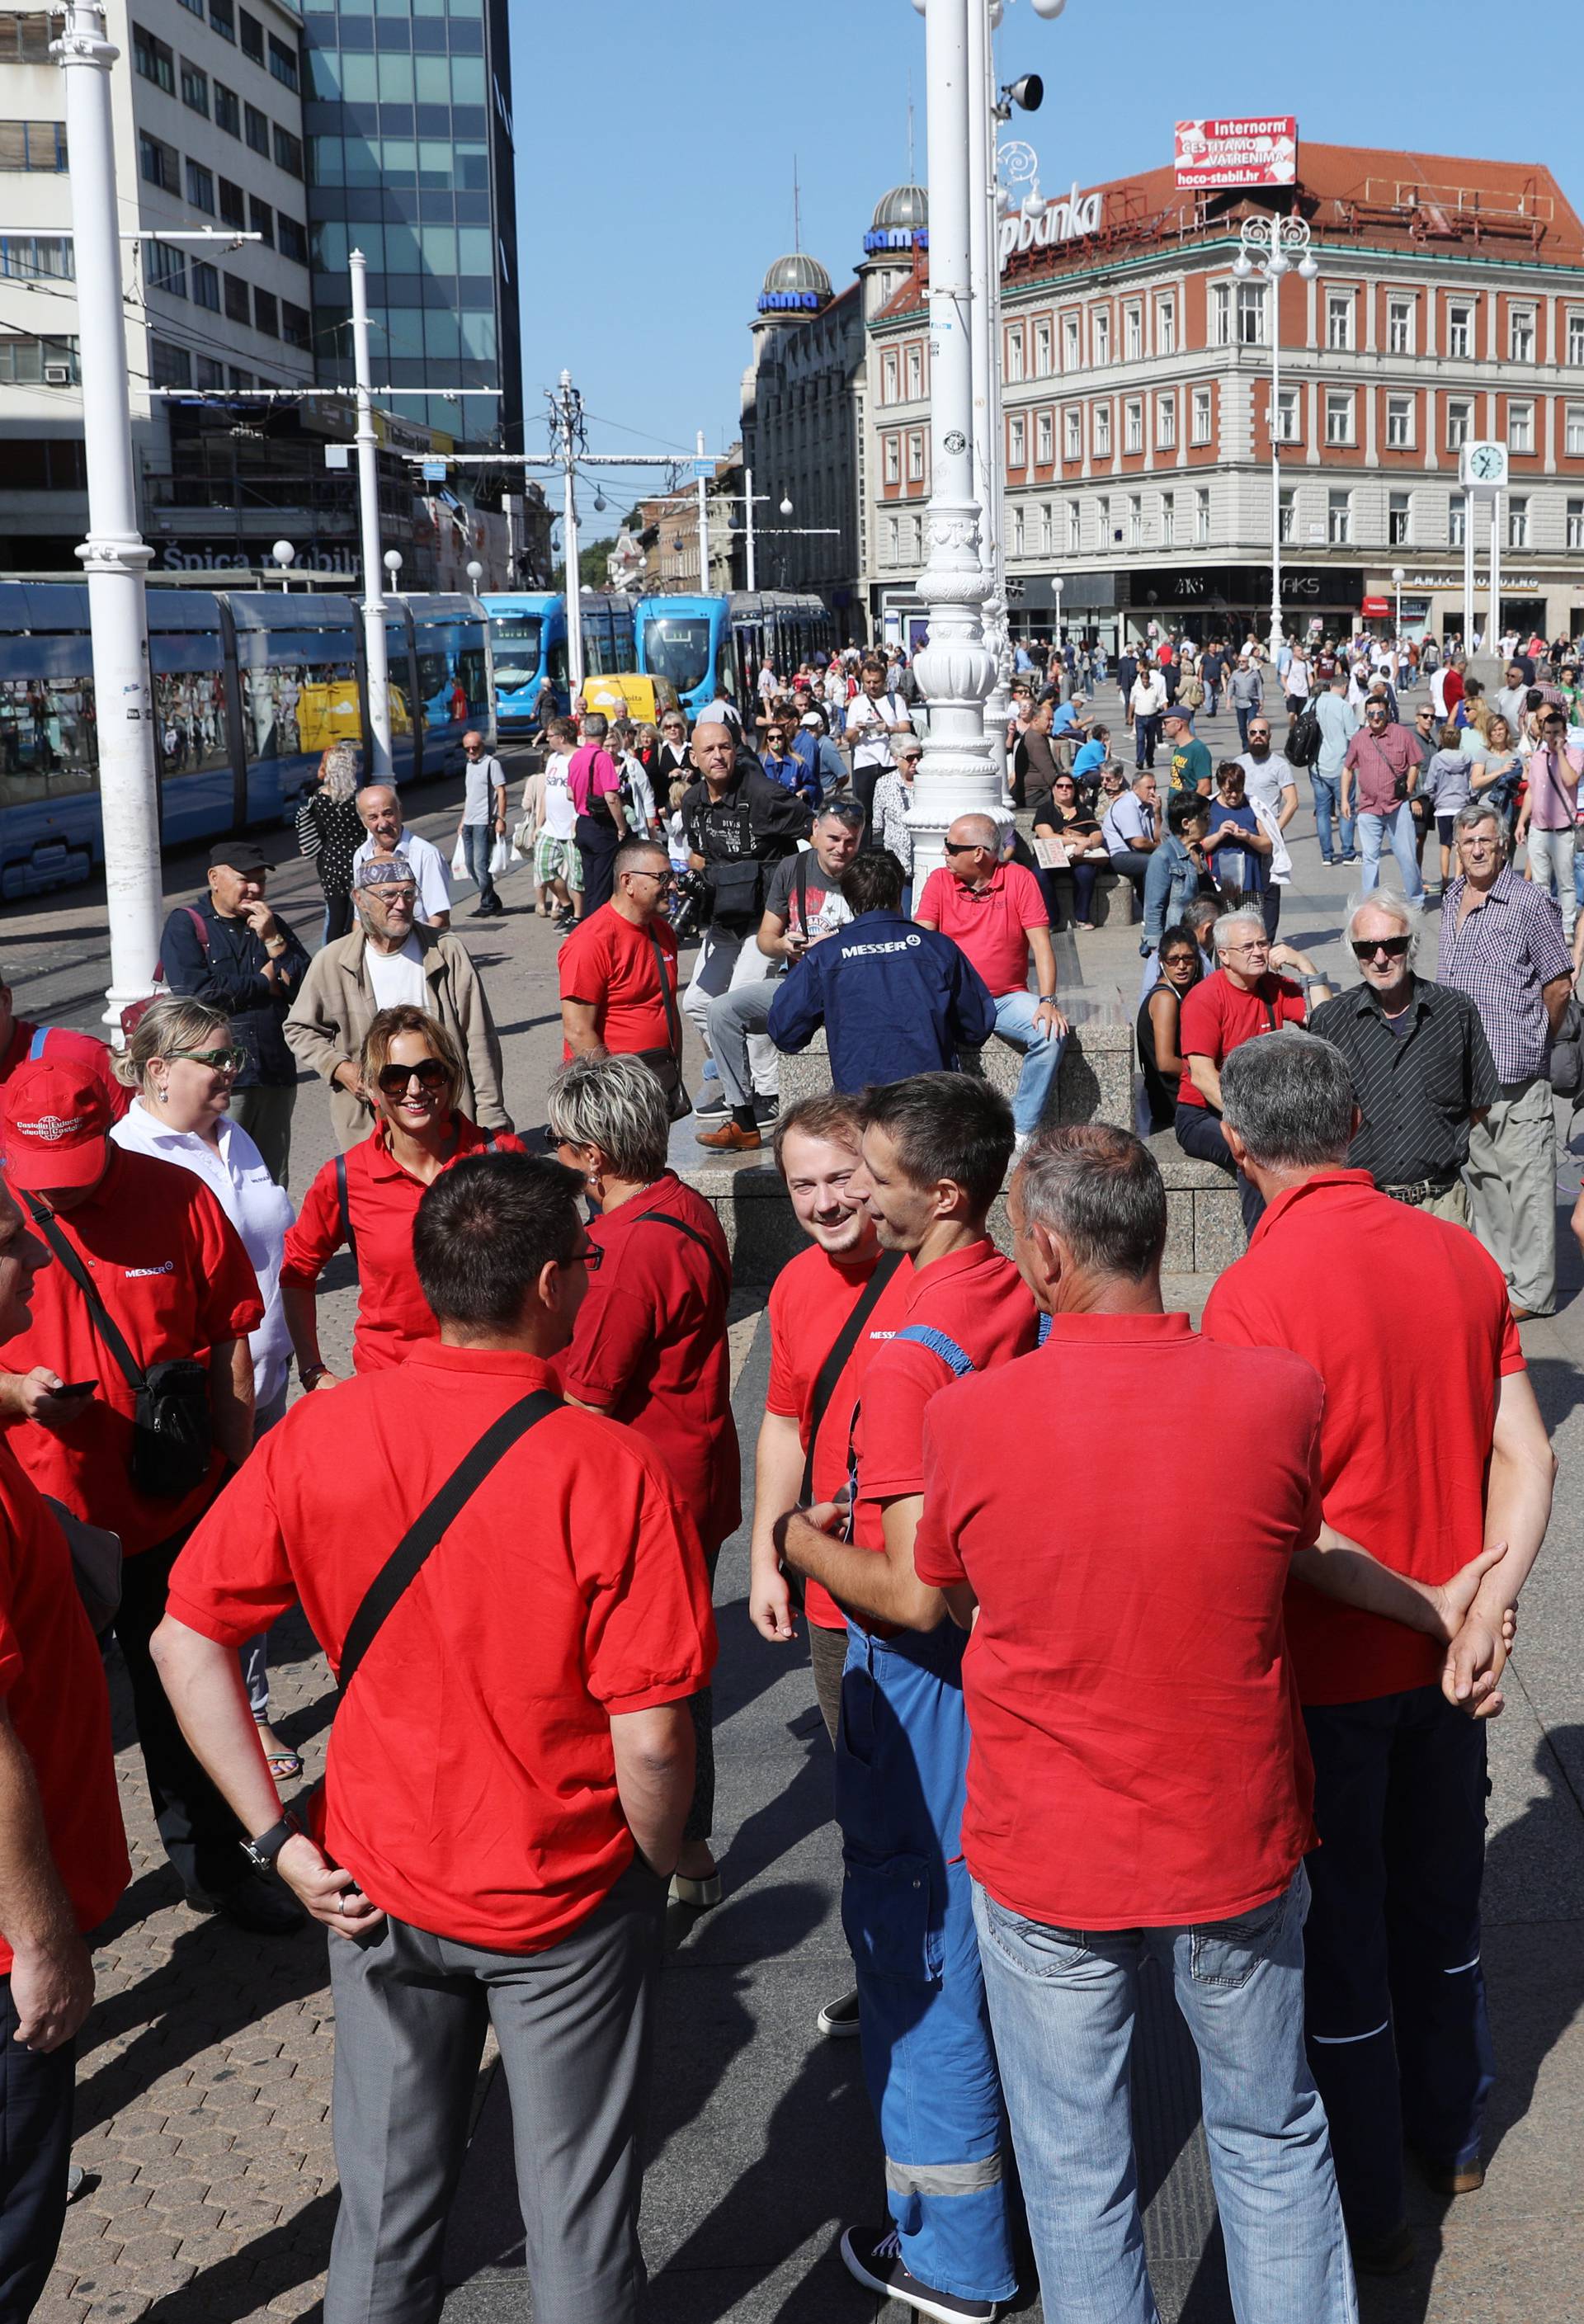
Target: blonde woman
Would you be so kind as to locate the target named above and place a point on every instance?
(330, 831)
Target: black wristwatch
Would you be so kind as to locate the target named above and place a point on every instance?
(267, 1847)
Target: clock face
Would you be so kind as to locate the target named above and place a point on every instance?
(1487, 463)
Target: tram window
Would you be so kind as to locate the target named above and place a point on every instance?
(678, 648)
(727, 671)
(299, 707)
(189, 721)
(49, 739)
(516, 638)
(470, 669)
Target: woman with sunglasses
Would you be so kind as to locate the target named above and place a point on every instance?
(412, 1073)
(1060, 814)
(1160, 1016)
(650, 1343)
(673, 758)
(182, 1062)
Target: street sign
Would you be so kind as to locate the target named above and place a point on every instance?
(1248, 150)
(433, 471)
(696, 468)
(337, 456)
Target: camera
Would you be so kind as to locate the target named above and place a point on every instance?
(692, 905)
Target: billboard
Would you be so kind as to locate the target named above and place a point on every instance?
(1258, 149)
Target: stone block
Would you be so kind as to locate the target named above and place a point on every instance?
(1218, 1228)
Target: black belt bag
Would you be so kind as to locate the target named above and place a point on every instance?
(172, 1437)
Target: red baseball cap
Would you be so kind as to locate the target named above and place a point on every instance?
(54, 1122)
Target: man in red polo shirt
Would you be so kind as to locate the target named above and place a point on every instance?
(1432, 1446)
(618, 970)
(935, 1149)
(62, 1852)
(1135, 1787)
(1244, 998)
(996, 914)
(22, 1042)
(173, 1279)
(512, 1756)
(831, 1309)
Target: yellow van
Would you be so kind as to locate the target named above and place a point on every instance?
(629, 694)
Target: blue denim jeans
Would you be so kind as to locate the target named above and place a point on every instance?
(1326, 790)
(1063, 2004)
(1042, 1058)
(1397, 828)
(478, 840)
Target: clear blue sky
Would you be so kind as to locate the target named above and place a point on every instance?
(655, 145)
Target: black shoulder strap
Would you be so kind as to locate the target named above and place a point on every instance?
(402, 1566)
(664, 1218)
(800, 881)
(673, 1022)
(132, 1372)
(835, 1362)
(344, 1207)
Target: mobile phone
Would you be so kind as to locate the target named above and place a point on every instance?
(75, 1387)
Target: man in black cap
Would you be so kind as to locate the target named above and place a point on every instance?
(231, 950)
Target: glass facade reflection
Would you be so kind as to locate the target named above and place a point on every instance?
(408, 116)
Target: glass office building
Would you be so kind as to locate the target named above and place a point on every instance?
(408, 117)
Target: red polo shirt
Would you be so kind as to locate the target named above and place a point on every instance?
(610, 965)
(53, 1684)
(1219, 1016)
(650, 1345)
(990, 924)
(382, 1202)
(1406, 1319)
(1137, 1757)
(470, 1781)
(176, 1280)
(810, 1302)
(64, 1047)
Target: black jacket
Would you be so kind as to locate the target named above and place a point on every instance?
(755, 822)
(227, 970)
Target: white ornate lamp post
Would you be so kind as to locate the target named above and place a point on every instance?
(1265, 247)
(1398, 577)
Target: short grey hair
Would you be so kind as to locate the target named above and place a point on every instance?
(848, 812)
(1478, 811)
(617, 1104)
(1289, 1096)
(1395, 906)
(1241, 918)
(1100, 1189)
(595, 726)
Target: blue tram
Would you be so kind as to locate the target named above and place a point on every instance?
(528, 635)
(711, 647)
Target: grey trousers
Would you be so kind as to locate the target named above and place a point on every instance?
(266, 1116)
(737, 1022)
(728, 962)
(1511, 1175)
(575, 2024)
(828, 1652)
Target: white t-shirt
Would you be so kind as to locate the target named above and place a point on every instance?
(397, 978)
(428, 869)
(561, 815)
(1267, 780)
(878, 710)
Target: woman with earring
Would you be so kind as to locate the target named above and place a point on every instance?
(182, 1063)
(412, 1074)
(331, 829)
(650, 1345)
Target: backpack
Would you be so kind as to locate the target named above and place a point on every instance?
(1565, 1065)
(1302, 747)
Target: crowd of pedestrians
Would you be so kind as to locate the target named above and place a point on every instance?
(1037, 1789)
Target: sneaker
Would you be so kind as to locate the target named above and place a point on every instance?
(839, 2019)
(711, 1105)
(766, 1111)
(880, 2266)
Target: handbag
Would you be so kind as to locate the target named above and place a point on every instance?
(172, 1431)
(96, 1564)
(666, 1065)
(738, 889)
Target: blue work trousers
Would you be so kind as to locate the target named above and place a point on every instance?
(907, 1911)
(1398, 2035)
(1326, 790)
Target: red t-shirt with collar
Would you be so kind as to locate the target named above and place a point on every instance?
(175, 1277)
(382, 1202)
(609, 965)
(810, 1302)
(650, 1345)
(975, 1297)
(1137, 1761)
(1406, 1319)
(62, 1047)
(53, 1680)
(1219, 1016)
(990, 924)
(470, 1781)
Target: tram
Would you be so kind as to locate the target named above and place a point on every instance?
(249, 687)
(715, 647)
(528, 635)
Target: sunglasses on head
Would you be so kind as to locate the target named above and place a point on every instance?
(1367, 948)
(430, 1074)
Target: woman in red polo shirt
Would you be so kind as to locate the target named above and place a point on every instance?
(649, 1345)
(412, 1073)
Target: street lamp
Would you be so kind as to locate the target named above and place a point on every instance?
(392, 561)
(284, 556)
(1264, 247)
(475, 573)
(786, 505)
(1398, 577)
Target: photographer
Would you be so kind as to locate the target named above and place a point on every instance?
(739, 825)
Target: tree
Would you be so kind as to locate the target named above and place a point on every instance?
(590, 566)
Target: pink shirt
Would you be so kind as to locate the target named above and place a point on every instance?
(991, 925)
(1554, 791)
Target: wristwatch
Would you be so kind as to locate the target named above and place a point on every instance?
(1047, 1000)
(267, 1847)
(311, 1374)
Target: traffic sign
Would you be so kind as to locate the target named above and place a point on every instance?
(697, 468)
(433, 471)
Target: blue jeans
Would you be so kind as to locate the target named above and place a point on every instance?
(907, 1915)
(1398, 2034)
(1063, 2004)
(1326, 790)
(1042, 1059)
(1146, 736)
(1398, 827)
(478, 839)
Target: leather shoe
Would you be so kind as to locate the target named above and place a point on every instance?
(265, 1908)
(730, 1138)
(1452, 2178)
(1388, 2253)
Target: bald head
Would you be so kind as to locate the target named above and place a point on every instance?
(976, 831)
(714, 751)
(379, 812)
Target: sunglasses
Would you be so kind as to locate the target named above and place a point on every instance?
(1395, 946)
(220, 1061)
(963, 846)
(430, 1075)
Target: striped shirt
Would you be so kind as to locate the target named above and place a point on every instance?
(1509, 946)
(1416, 1087)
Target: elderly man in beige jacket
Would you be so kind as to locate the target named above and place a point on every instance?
(388, 961)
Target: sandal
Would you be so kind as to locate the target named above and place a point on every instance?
(285, 1766)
